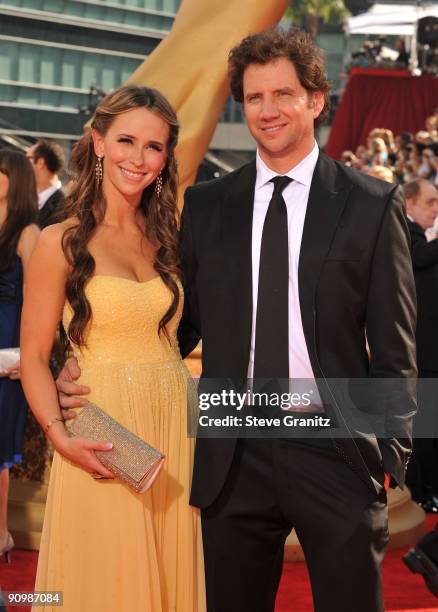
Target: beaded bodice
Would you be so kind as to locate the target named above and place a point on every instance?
(124, 324)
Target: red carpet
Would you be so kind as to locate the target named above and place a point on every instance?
(404, 591)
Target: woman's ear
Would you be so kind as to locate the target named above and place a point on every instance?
(99, 148)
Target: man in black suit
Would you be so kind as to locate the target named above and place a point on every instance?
(422, 475)
(289, 263)
(47, 158)
(422, 208)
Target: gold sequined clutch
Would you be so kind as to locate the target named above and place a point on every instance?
(131, 459)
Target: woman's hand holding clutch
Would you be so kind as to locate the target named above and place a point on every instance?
(139, 473)
(79, 451)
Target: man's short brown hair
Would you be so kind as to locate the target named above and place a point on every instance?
(52, 154)
(412, 189)
(275, 43)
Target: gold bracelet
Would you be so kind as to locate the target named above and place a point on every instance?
(51, 422)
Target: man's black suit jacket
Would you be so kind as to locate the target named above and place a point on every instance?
(425, 261)
(53, 210)
(355, 274)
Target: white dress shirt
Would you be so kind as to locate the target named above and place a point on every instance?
(296, 195)
(44, 195)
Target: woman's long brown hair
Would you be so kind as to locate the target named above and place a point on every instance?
(87, 204)
(22, 203)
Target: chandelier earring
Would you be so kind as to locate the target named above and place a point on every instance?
(99, 170)
(158, 185)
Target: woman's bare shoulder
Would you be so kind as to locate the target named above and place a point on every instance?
(30, 233)
(50, 242)
(28, 239)
(54, 233)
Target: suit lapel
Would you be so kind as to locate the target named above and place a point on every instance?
(327, 198)
(237, 213)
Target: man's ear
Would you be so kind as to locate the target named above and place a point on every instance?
(40, 163)
(98, 143)
(317, 103)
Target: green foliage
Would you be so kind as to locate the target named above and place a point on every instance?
(307, 13)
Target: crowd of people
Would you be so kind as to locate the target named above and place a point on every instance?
(412, 162)
(375, 54)
(401, 158)
(135, 294)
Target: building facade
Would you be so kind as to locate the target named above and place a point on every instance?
(56, 55)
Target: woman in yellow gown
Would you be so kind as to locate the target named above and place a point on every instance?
(111, 272)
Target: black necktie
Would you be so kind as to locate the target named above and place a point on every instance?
(271, 355)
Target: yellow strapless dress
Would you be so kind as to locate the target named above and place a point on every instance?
(106, 548)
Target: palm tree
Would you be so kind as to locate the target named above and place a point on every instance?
(308, 12)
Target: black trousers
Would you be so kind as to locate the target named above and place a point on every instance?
(277, 485)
